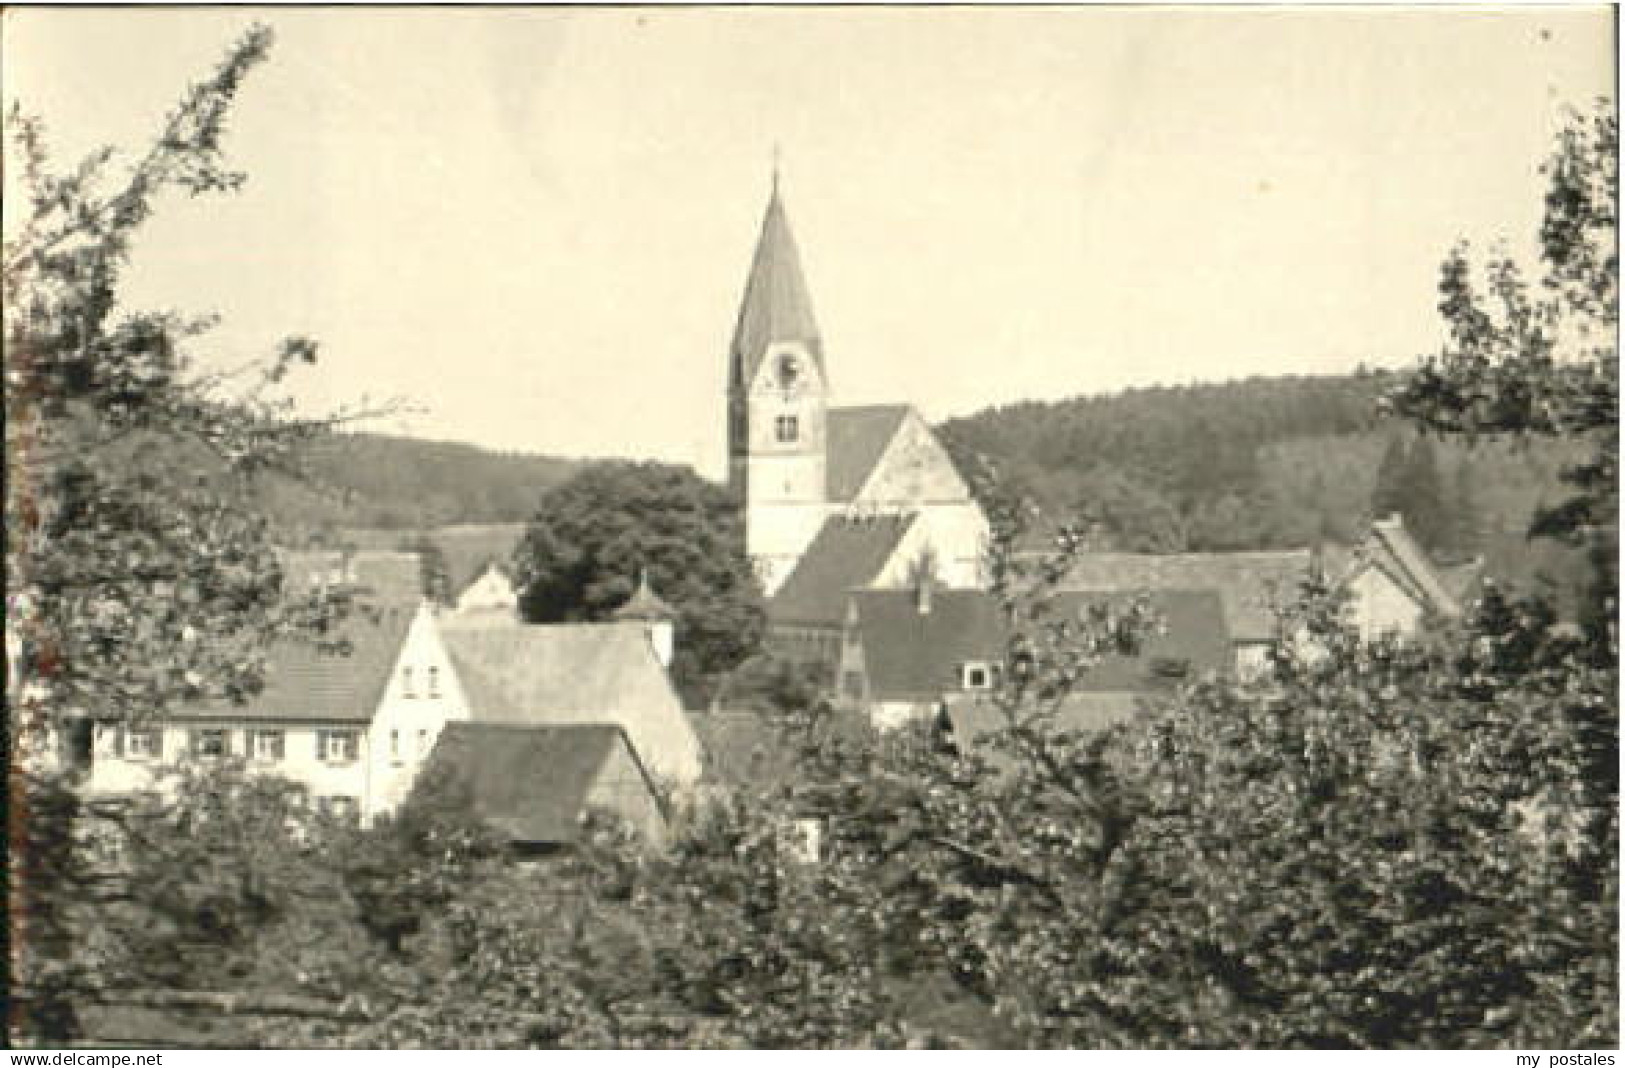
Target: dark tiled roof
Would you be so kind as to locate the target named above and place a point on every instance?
(1252, 585)
(972, 715)
(855, 440)
(304, 682)
(776, 305)
(972, 718)
(529, 782)
(910, 655)
(846, 553)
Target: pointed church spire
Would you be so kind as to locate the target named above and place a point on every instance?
(776, 306)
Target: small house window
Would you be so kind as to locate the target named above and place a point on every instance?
(434, 682)
(337, 747)
(145, 745)
(267, 746)
(423, 742)
(395, 746)
(210, 743)
(787, 428)
(852, 683)
(406, 683)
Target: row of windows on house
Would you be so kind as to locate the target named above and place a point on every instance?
(335, 746)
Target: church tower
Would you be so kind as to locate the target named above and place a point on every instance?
(778, 389)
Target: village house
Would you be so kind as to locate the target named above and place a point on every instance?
(490, 592)
(354, 719)
(913, 655)
(808, 473)
(353, 726)
(559, 673)
(1391, 584)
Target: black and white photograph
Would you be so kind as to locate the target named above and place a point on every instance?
(811, 527)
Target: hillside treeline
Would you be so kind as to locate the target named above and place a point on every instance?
(398, 483)
(1259, 463)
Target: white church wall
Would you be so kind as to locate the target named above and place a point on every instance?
(914, 470)
(777, 535)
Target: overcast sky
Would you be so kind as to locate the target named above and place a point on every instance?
(536, 224)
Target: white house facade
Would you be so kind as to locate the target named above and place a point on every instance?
(352, 730)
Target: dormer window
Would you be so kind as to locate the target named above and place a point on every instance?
(787, 428)
(978, 675)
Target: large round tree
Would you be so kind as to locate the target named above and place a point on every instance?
(582, 552)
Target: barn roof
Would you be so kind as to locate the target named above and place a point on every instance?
(845, 554)
(555, 673)
(529, 781)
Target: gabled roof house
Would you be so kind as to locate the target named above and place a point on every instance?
(906, 652)
(350, 719)
(533, 782)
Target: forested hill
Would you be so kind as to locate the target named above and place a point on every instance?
(385, 481)
(1259, 463)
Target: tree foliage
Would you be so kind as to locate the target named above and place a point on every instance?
(592, 535)
(139, 575)
(1543, 362)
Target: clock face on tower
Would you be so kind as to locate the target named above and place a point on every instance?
(787, 371)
